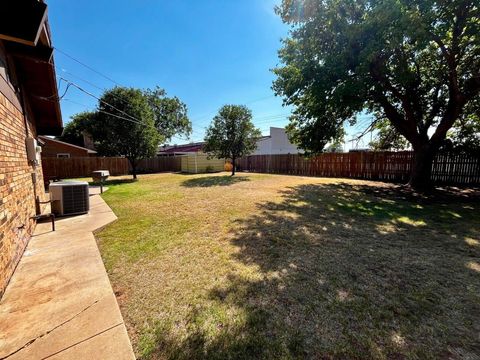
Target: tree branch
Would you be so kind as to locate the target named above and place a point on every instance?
(407, 125)
(436, 106)
(396, 119)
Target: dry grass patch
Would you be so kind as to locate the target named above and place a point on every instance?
(268, 267)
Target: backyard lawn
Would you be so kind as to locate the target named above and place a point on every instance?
(278, 267)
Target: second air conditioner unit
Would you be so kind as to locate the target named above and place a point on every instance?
(69, 197)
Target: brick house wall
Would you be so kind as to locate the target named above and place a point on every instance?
(20, 183)
(27, 109)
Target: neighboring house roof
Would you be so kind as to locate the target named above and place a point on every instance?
(185, 148)
(46, 139)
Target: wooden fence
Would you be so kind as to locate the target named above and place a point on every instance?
(75, 167)
(383, 166)
(66, 168)
(160, 164)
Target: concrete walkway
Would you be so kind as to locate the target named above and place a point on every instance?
(59, 303)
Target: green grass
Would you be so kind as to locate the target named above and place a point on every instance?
(284, 267)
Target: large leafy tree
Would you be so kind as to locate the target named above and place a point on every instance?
(413, 62)
(124, 125)
(387, 138)
(74, 131)
(132, 122)
(232, 134)
(170, 114)
(463, 137)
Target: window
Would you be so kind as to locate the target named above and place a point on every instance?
(63, 155)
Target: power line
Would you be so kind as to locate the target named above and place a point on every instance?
(205, 115)
(273, 120)
(118, 84)
(87, 66)
(120, 117)
(105, 112)
(102, 101)
(79, 78)
(194, 132)
(272, 116)
(91, 84)
(69, 83)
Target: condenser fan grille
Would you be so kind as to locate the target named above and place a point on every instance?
(75, 199)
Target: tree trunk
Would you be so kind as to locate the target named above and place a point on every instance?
(421, 175)
(233, 165)
(133, 163)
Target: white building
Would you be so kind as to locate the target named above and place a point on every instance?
(276, 143)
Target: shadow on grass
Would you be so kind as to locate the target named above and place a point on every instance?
(346, 272)
(214, 181)
(113, 182)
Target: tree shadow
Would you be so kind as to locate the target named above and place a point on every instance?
(113, 182)
(208, 181)
(344, 271)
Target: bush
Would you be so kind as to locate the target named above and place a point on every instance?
(228, 166)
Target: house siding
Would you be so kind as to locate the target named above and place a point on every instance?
(51, 149)
(20, 182)
(276, 144)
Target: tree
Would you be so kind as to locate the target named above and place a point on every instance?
(334, 147)
(413, 62)
(463, 137)
(170, 114)
(124, 125)
(336, 144)
(73, 133)
(387, 138)
(232, 134)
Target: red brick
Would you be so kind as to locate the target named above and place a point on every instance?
(17, 203)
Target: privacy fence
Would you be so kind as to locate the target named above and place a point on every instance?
(65, 168)
(160, 164)
(384, 166)
(75, 167)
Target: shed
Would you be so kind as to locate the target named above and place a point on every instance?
(197, 163)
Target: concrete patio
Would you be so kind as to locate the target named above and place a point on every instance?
(59, 304)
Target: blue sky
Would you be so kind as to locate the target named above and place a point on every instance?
(208, 53)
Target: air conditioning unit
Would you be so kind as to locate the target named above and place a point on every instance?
(69, 197)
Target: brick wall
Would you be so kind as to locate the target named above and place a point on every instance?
(17, 194)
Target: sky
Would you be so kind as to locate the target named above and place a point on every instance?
(208, 53)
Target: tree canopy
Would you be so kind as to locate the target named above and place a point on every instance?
(415, 63)
(170, 114)
(124, 125)
(387, 138)
(463, 137)
(130, 122)
(232, 134)
(73, 133)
